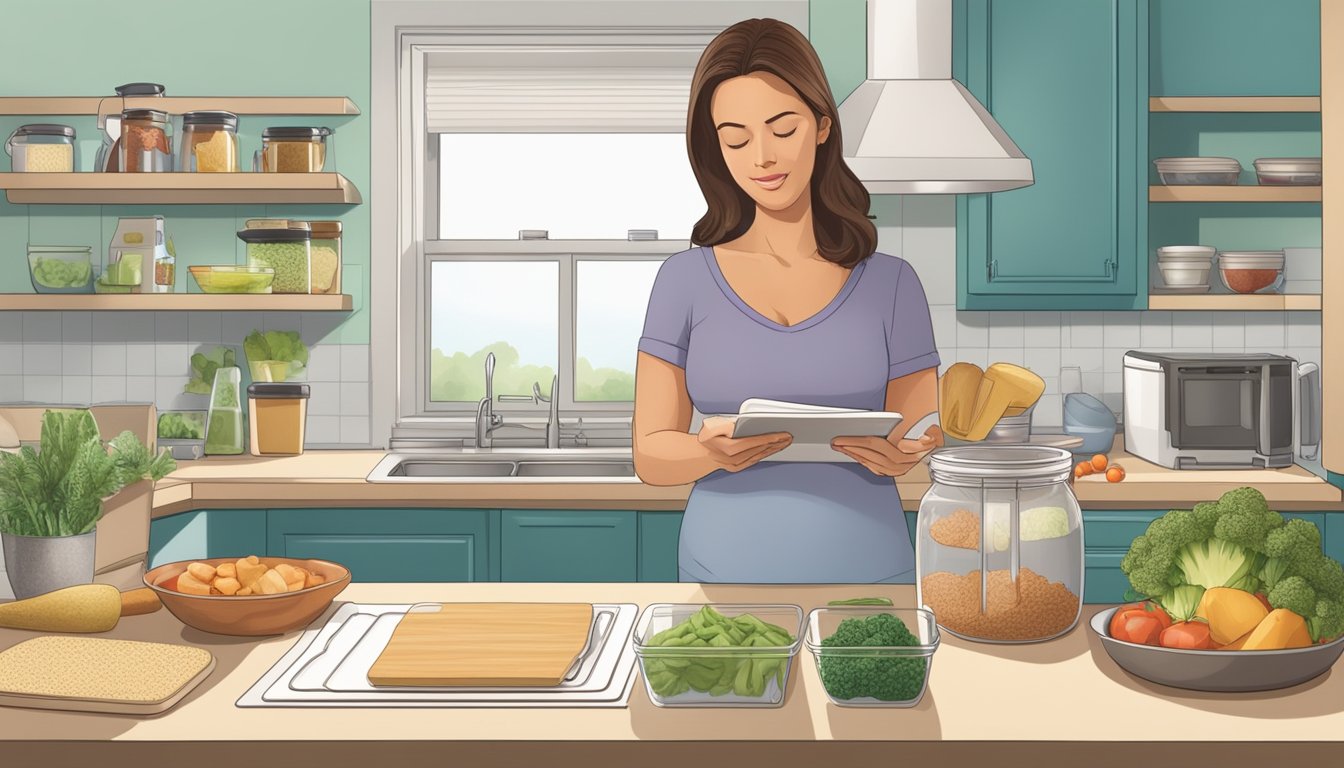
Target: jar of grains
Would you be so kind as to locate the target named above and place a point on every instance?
(42, 148)
(293, 150)
(326, 257)
(287, 251)
(209, 143)
(144, 146)
(1000, 543)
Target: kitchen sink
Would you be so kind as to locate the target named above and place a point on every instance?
(516, 466)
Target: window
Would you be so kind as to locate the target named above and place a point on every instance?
(609, 300)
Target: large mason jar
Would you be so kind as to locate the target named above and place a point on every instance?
(999, 554)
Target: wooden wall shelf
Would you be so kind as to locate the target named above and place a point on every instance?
(173, 302)
(1243, 193)
(1234, 104)
(178, 188)
(1259, 302)
(40, 106)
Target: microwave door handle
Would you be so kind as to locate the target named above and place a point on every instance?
(1307, 423)
(1266, 396)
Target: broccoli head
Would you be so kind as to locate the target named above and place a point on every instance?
(1244, 519)
(1295, 594)
(1294, 540)
(852, 675)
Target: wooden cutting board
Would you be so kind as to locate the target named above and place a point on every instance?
(91, 674)
(484, 644)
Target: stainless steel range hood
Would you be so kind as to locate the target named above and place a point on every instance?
(910, 128)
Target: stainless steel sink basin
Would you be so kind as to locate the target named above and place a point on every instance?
(516, 466)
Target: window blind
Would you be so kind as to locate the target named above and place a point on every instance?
(584, 88)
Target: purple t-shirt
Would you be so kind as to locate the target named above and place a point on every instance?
(792, 522)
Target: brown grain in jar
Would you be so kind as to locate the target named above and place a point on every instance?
(144, 144)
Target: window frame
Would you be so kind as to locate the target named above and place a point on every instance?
(405, 207)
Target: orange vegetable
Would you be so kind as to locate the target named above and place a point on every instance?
(1115, 474)
(1084, 468)
(1142, 628)
(1099, 462)
(1190, 635)
(1264, 601)
(1150, 609)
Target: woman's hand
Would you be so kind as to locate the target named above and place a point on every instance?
(737, 453)
(889, 456)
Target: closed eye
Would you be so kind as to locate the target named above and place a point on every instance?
(737, 146)
(786, 135)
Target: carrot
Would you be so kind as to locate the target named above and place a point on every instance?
(1083, 469)
(1115, 474)
(1190, 635)
(1099, 462)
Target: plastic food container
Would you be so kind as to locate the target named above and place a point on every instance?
(701, 667)
(1251, 271)
(292, 150)
(61, 268)
(999, 550)
(182, 433)
(908, 666)
(209, 142)
(145, 144)
(42, 148)
(326, 260)
(279, 414)
(1198, 170)
(226, 279)
(287, 251)
(1288, 170)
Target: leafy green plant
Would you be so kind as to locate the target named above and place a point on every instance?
(275, 355)
(59, 489)
(203, 367)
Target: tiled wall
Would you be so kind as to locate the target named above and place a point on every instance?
(78, 358)
(923, 231)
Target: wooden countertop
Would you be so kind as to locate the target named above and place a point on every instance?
(337, 479)
(1057, 703)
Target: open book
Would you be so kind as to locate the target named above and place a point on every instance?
(812, 426)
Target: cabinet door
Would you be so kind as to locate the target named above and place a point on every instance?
(1067, 79)
(659, 534)
(207, 533)
(410, 545)
(568, 545)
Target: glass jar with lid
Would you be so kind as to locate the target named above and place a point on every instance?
(209, 142)
(326, 257)
(145, 145)
(287, 251)
(292, 150)
(42, 148)
(999, 553)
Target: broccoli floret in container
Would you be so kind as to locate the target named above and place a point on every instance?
(851, 675)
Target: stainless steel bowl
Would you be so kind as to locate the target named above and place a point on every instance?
(1218, 671)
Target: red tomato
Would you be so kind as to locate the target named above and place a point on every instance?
(1142, 628)
(1191, 635)
(1148, 610)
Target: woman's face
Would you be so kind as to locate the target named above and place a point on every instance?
(768, 136)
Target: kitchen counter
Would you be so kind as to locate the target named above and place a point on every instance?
(337, 479)
(1055, 703)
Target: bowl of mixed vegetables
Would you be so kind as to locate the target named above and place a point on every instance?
(61, 268)
(1238, 598)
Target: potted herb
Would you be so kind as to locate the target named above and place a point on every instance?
(51, 499)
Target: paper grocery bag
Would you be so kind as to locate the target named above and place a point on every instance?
(121, 541)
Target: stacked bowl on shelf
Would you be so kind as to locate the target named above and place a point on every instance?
(1186, 268)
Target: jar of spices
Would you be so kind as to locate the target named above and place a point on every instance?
(279, 413)
(42, 148)
(144, 146)
(287, 251)
(326, 257)
(165, 269)
(209, 143)
(1000, 543)
(293, 150)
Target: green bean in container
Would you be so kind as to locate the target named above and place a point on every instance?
(746, 675)
(287, 251)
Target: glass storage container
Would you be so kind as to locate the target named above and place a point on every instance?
(279, 413)
(145, 144)
(42, 148)
(61, 268)
(108, 157)
(999, 553)
(224, 423)
(326, 257)
(684, 664)
(209, 143)
(872, 675)
(292, 150)
(287, 251)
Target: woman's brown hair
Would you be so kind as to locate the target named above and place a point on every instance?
(844, 233)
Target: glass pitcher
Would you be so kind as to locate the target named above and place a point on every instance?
(224, 424)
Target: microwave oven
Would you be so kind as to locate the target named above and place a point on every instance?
(1221, 411)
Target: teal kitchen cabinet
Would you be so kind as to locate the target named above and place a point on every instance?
(659, 533)
(1068, 81)
(410, 545)
(207, 533)
(544, 545)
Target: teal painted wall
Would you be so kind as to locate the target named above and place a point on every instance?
(197, 48)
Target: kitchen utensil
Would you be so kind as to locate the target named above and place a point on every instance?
(253, 615)
(484, 644)
(81, 608)
(958, 390)
(61, 268)
(1217, 671)
(330, 646)
(91, 674)
(663, 616)
(1251, 271)
(1288, 170)
(1000, 543)
(822, 624)
(1198, 170)
(1012, 387)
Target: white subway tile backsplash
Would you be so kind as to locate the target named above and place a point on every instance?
(1192, 329)
(1041, 329)
(322, 430)
(324, 399)
(324, 363)
(355, 430)
(11, 327)
(41, 389)
(1094, 382)
(974, 355)
(76, 359)
(1049, 411)
(944, 320)
(140, 327)
(11, 388)
(1265, 329)
(1113, 382)
(1304, 329)
(354, 399)
(172, 359)
(111, 327)
(109, 359)
(140, 359)
(109, 389)
(1005, 330)
(168, 394)
(169, 328)
(1088, 360)
(41, 328)
(1121, 329)
(141, 389)
(1010, 355)
(1155, 330)
(41, 360)
(354, 362)
(1086, 330)
(1043, 361)
(11, 359)
(973, 329)
(234, 326)
(77, 390)
(205, 327)
(1229, 330)
(76, 327)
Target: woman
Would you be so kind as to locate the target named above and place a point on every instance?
(784, 299)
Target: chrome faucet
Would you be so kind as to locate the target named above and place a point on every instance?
(487, 421)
